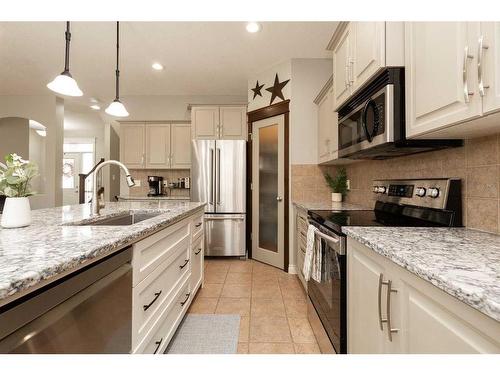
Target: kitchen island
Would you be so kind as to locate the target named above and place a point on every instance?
(64, 241)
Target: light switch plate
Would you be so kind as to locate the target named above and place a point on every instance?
(348, 184)
(137, 183)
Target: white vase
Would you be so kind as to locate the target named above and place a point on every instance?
(16, 213)
(336, 197)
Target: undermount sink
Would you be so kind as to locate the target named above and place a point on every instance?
(125, 219)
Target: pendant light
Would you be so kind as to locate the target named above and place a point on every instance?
(64, 83)
(116, 108)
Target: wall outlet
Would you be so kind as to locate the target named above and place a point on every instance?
(348, 184)
(137, 183)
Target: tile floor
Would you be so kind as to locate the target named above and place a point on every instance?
(271, 304)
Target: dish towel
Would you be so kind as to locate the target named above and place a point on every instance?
(312, 260)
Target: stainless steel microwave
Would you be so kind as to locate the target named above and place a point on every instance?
(372, 123)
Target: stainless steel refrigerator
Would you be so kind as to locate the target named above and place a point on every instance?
(218, 177)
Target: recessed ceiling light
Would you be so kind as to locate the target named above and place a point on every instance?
(95, 107)
(253, 27)
(157, 66)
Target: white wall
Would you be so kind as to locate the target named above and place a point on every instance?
(85, 125)
(49, 111)
(266, 77)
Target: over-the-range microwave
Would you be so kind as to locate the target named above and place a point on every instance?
(372, 123)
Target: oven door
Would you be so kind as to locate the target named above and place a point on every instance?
(370, 124)
(329, 295)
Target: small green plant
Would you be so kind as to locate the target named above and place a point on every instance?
(15, 179)
(338, 184)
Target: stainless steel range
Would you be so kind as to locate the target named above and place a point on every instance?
(412, 203)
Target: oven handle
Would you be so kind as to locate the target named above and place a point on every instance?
(332, 240)
(376, 119)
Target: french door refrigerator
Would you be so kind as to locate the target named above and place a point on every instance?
(218, 177)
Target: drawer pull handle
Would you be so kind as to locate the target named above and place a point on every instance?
(199, 251)
(145, 307)
(198, 225)
(187, 297)
(158, 344)
(184, 265)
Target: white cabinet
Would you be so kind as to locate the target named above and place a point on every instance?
(301, 225)
(219, 122)
(197, 255)
(423, 318)
(156, 146)
(452, 79)
(132, 145)
(327, 125)
(360, 50)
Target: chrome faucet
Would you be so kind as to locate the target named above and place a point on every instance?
(96, 205)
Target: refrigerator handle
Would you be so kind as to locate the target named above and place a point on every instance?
(218, 178)
(211, 191)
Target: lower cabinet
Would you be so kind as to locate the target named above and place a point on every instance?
(301, 225)
(390, 310)
(168, 271)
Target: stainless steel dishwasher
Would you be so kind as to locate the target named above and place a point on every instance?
(89, 311)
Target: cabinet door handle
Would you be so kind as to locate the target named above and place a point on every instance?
(199, 251)
(465, 74)
(187, 297)
(346, 80)
(184, 265)
(158, 344)
(380, 283)
(390, 330)
(351, 71)
(145, 307)
(198, 225)
(480, 67)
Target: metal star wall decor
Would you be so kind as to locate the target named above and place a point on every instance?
(256, 90)
(276, 89)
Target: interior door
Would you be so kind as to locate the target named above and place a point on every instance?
(71, 169)
(230, 176)
(268, 190)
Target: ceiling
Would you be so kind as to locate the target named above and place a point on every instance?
(200, 58)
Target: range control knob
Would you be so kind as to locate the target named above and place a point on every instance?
(433, 192)
(420, 192)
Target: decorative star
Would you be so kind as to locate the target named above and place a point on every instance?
(276, 89)
(256, 90)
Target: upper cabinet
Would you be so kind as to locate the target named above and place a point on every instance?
(327, 125)
(155, 146)
(219, 122)
(452, 78)
(360, 50)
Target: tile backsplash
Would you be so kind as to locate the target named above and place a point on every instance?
(477, 164)
(170, 175)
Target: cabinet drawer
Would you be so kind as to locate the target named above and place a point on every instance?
(153, 250)
(197, 224)
(197, 264)
(158, 289)
(160, 335)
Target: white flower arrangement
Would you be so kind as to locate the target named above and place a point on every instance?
(15, 178)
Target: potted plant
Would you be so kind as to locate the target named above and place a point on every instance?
(15, 185)
(338, 184)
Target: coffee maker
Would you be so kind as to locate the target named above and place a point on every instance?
(155, 186)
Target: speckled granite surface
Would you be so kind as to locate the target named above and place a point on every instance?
(49, 246)
(330, 206)
(162, 198)
(464, 263)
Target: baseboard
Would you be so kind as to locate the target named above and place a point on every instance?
(292, 269)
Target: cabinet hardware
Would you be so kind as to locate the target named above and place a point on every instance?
(279, 199)
(380, 283)
(145, 307)
(184, 265)
(351, 71)
(480, 68)
(465, 73)
(346, 79)
(199, 251)
(158, 344)
(187, 297)
(390, 330)
(198, 225)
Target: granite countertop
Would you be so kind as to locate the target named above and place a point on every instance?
(337, 206)
(146, 198)
(464, 263)
(49, 246)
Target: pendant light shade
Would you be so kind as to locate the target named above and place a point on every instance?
(64, 83)
(116, 108)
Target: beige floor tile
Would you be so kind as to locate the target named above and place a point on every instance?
(239, 306)
(301, 331)
(269, 329)
(311, 348)
(236, 291)
(203, 305)
(267, 307)
(295, 308)
(269, 291)
(210, 290)
(294, 292)
(244, 266)
(242, 348)
(265, 278)
(239, 278)
(215, 277)
(218, 266)
(289, 281)
(264, 268)
(270, 348)
(244, 329)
